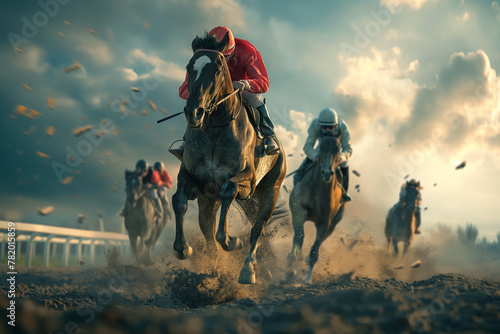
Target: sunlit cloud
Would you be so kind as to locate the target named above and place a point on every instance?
(378, 81)
(159, 66)
(458, 112)
(94, 47)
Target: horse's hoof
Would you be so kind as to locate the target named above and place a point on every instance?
(234, 243)
(247, 276)
(308, 280)
(290, 274)
(187, 252)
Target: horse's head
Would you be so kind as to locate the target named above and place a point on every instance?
(207, 77)
(133, 186)
(328, 158)
(412, 194)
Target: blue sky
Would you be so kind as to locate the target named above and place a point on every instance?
(415, 80)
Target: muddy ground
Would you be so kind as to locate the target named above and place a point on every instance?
(356, 289)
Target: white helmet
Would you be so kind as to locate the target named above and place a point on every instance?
(328, 117)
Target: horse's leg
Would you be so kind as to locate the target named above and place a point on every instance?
(179, 203)
(149, 244)
(321, 235)
(267, 201)
(237, 185)
(133, 245)
(299, 216)
(406, 245)
(395, 244)
(206, 218)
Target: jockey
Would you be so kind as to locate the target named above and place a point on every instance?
(248, 73)
(328, 121)
(149, 179)
(152, 181)
(142, 169)
(163, 179)
(402, 196)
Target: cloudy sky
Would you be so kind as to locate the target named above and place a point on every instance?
(415, 80)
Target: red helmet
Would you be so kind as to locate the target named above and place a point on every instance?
(221, 31)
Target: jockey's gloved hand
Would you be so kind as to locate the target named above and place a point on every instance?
(242, 84)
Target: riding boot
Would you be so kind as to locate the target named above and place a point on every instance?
(158, 209)
(299, 174)
(345, 183)
(417, 221)
(267, 128)
(179, 152)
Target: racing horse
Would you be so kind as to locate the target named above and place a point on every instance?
(142, 226)
(219, 164)
(400, 221)
(318, 198)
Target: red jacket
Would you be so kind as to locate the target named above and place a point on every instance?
(246, 64)
(161, 179)
(166, 179)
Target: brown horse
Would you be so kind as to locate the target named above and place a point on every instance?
(142, 227)
(400, 221)
(318, 198)
(218, 164)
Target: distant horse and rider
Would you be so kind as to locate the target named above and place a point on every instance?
(228, 154)
(403, 219)
(320, 184)
(146, 209)
(317, 198)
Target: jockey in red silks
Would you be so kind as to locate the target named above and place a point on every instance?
(162, 179)
(249, 73)
(150, 180)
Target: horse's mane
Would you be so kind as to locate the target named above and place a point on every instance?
(205, 42)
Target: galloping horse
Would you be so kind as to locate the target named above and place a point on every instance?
(218, 164)
(142, 227)
(400, 221)
(317, 197)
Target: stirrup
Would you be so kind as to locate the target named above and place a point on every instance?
(273, 148)
(177, 152)
(346, 197)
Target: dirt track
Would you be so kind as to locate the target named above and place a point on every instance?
(168, 299)
(356, 289)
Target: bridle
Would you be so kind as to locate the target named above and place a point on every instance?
(142, 192)
(215, 103)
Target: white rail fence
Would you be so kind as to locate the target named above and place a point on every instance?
(50, 236)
